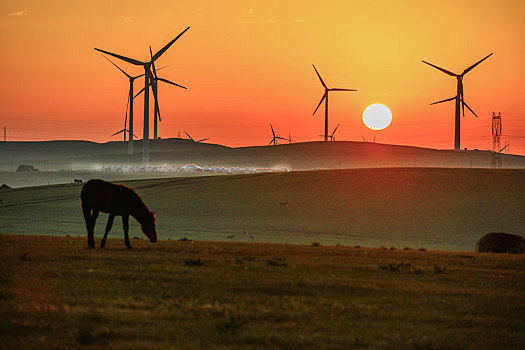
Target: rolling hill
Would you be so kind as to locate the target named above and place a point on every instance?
(434, 208)
(62, 155)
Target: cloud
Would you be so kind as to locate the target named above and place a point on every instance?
(263, 21)
(299, 20)
(18, 13)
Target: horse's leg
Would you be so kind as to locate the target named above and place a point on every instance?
(87, 218)
(125, 224)
(108, 228)
(91, 229)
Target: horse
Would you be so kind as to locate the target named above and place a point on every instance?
(102, 196)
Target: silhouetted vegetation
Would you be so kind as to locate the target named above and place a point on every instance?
(501, 243)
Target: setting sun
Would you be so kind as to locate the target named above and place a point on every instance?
(377, 116)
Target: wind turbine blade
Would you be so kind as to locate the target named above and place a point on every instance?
(474, 65)
(153, 63)
(191, 138)
(337, 89)
(441, 69)
(203, 139)
(335, 130)
(118, 132)
(138, 93)
(126, 116)
(271, 126)
(161, 51)
(172, 83)
(501, 150)
(319, 75)
(271, 142)
(446, 100)
(138, 76)
(281, 138)
(322, 99)
(124, 58)
(470, 109)
(154, 89)
(113, 63)
(163, 67)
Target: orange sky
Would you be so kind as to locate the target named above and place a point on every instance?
(248, 63)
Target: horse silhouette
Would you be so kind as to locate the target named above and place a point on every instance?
(101, 196)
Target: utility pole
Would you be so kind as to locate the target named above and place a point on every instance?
(496, 140)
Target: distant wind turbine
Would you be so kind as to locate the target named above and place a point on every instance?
(290, 138)
(332, 136)
(196, 141)
(460, 99)
(275, 138)
(130, 104)
(147, 77)
(325, 98)
(125, 130)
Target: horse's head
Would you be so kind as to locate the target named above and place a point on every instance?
(148, 227)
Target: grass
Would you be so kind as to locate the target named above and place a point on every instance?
(443, 209)
(56, 294)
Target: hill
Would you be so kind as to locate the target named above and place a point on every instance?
(434, 208)
(59, 155)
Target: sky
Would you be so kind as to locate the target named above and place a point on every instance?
(249, 63)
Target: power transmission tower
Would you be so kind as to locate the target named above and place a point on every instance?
(496, 140)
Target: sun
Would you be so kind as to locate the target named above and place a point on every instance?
(377, 116)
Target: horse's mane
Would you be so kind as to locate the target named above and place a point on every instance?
(136, 197)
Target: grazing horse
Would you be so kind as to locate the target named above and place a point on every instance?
(101, 196)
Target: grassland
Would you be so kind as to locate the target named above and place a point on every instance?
(56, 294)
(441, 209)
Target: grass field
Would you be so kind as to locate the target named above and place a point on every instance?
(56, 294)
(434, 208)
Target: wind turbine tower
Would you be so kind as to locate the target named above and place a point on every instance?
(325, 99)
(460, 99)
(148, 76)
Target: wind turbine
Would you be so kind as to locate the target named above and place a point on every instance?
(460, 99)
(191, 138)
(130, 104)
(154, 86)
(325, 97)
(275, 138)
(126, 130)
(147, 77)
(332, 136)
(290, 138)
